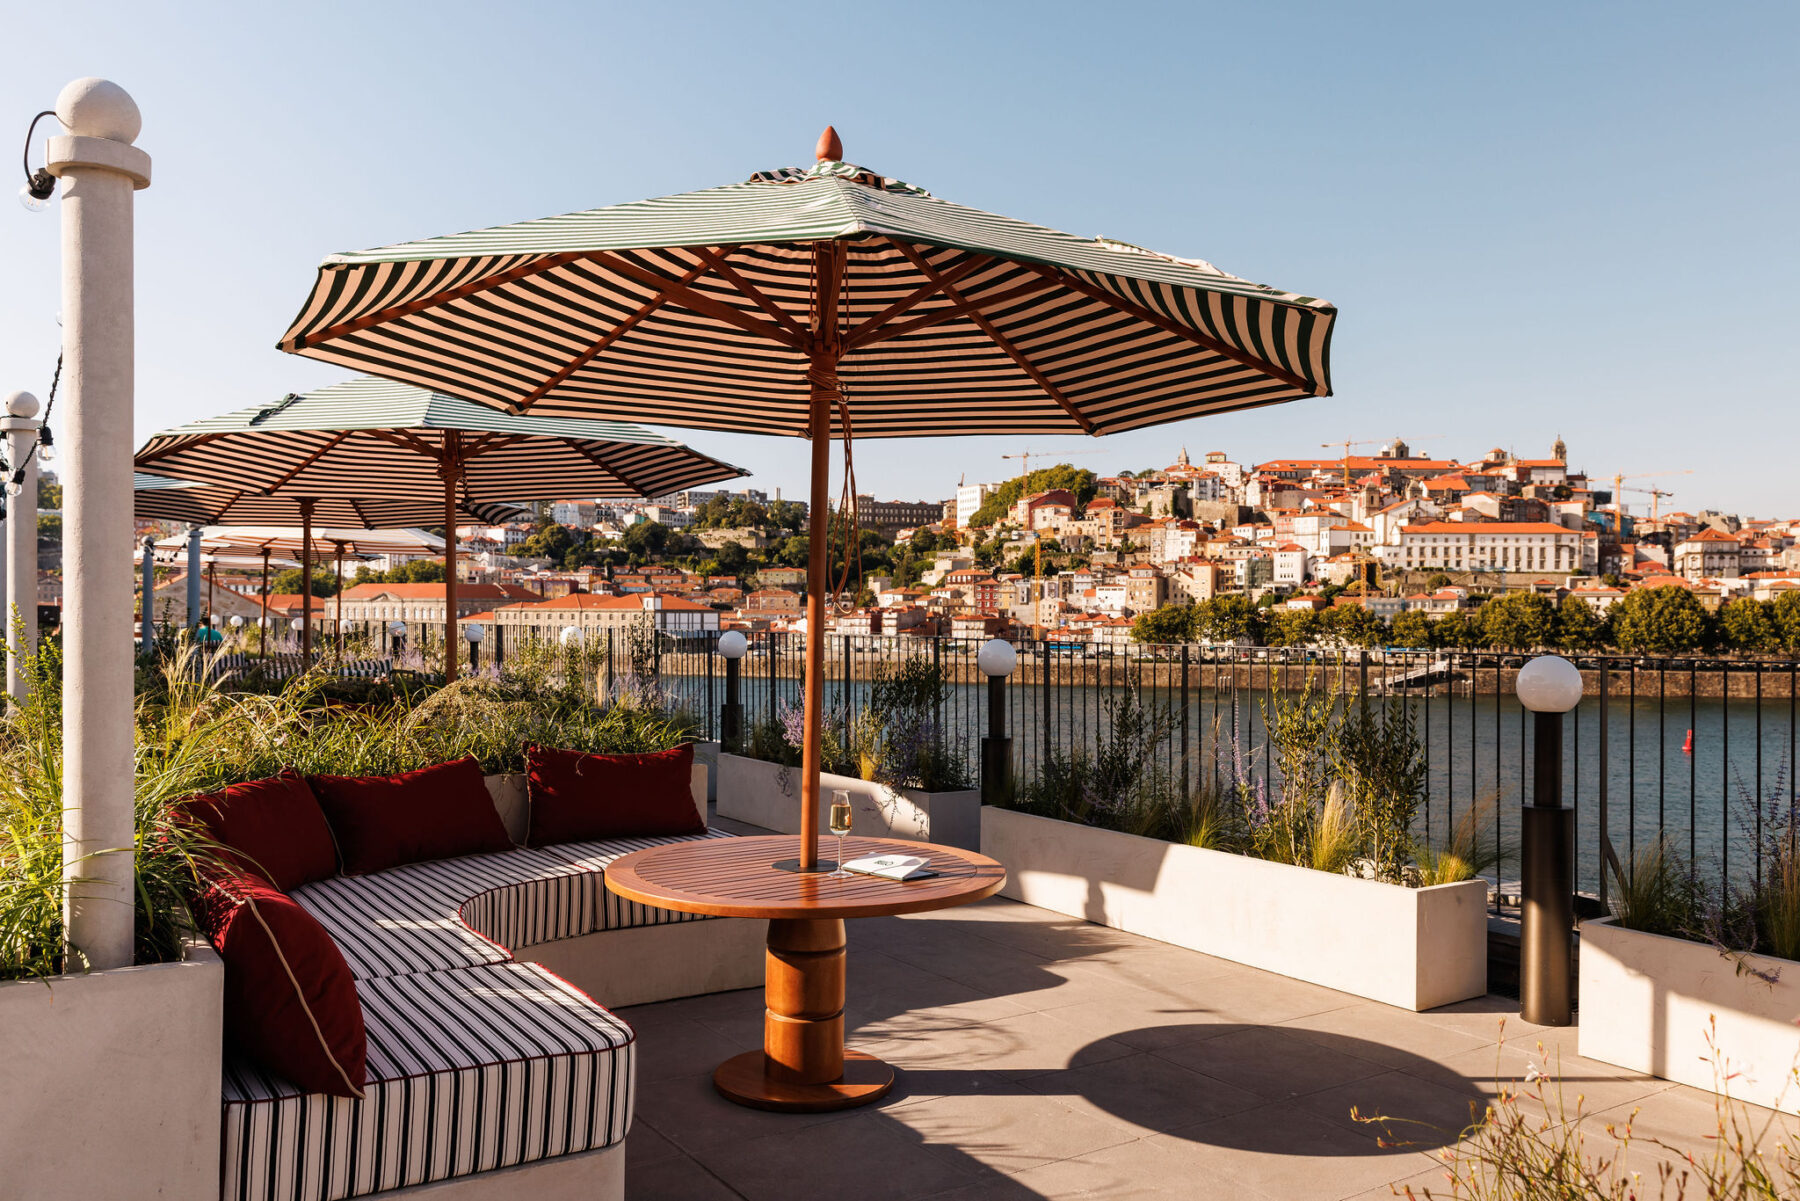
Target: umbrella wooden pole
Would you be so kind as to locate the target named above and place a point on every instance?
(340, 600)
(306, 512)
(821, 374)
(449, 466)
(262, 639)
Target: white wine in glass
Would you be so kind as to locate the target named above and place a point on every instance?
(840, 825)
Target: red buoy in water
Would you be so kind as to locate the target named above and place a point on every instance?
(1687, 748)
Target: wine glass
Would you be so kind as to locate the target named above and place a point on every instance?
(840, 825)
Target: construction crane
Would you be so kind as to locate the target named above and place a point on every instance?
(1037, 571)
(1655, 495)
(1347, 443)
(1619, 479)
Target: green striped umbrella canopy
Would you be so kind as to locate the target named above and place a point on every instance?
(820, 302)
(697, 310)
(162, 498)
(369, 440)
(358, 452)
(244, 543)
(254, 539)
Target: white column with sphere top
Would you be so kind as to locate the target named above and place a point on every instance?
(20, 425)
(99, 169)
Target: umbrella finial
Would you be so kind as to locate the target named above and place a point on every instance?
(830, 148)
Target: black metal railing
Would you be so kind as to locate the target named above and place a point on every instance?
(1698, 751)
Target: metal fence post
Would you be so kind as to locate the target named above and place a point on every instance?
(1185, 790)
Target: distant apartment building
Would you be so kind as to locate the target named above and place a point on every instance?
(1485, 546)
(1049, 510)
(668, 614)
(1288, 565)
(1709, 554)
(782, 577)
(674, 517)
(772, 601)
(424, 603)
(891, 516)
(969, 499)
(1146, 589)
(1198, 581)
(583, 514)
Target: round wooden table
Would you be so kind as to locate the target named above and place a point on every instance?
(803, 1065)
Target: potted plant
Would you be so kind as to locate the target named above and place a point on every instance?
(1320, 880)
(904, 778)
(1680, 972)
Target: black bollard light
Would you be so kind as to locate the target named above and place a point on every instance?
(997, 659)
(1549, 686)
(732, 645)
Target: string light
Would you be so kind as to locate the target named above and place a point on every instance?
(40, 185)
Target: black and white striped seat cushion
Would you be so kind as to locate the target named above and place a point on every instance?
(468, 1071)
(452, 913)
(614, 912)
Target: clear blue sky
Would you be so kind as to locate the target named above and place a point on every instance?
(1535, 218)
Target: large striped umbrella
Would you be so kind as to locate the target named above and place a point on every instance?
(249, 540)
(162, 498)
(819, 302)
(368, 442)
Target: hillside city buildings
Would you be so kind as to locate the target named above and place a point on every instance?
(1409, 531)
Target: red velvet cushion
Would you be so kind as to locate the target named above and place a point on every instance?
(272, 827)
(576, 796)
(290, 1000)
(436, 812)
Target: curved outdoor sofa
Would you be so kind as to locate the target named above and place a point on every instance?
(493, 1068)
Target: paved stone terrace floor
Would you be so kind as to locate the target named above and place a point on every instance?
(1044, 1057)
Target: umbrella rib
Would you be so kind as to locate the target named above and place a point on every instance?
(405, 440)
(762, 301)
(1012, 352)
(593, 456)
(873, 329)
(1163, 323)
(395, 312)
(308, 461)
(680, 294)
(939, 316)
(490, 442)
(181, 442)
(612, 335)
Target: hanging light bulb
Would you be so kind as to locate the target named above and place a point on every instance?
(46, 452)
(40, 185)
(15, 488)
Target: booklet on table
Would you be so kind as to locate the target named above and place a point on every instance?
(892, 867)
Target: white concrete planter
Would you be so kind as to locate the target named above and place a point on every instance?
(1417, 948)
(768, 795)
(1649, 1002)
(112, 1081)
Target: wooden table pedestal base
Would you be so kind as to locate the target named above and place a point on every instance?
(803, 1066)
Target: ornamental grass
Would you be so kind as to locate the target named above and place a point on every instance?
(195, 736)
